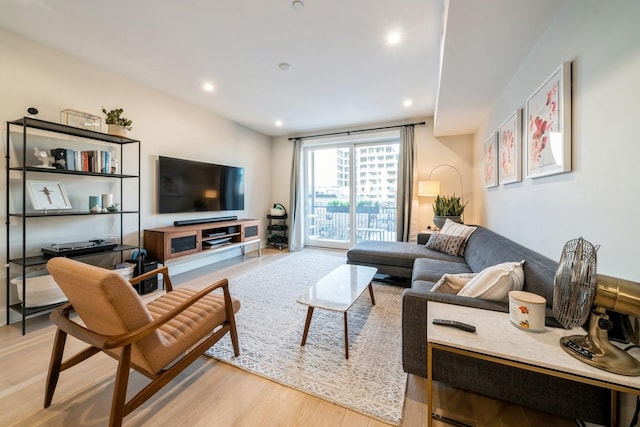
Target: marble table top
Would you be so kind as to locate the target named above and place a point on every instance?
(496, 336)
(338, 290)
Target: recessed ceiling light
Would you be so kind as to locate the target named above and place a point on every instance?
(394, 37)
(208, 87)
(279, 123)
(284, 66)
(297, 5)
(407, 103)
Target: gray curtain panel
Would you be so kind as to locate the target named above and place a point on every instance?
(296, 237)
(406, 163)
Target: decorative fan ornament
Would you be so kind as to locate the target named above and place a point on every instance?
(575, 283)
(580, 294)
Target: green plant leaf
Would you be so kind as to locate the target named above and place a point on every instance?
(448, 206)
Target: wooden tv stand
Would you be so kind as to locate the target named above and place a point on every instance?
(166, 243)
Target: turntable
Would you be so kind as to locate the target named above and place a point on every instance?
(79, 248)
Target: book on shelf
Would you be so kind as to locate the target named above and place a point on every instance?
(98, 161)
(63, 158)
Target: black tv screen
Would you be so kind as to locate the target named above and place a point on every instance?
(190, 186)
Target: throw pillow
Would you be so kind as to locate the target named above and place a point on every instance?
(453, 228)
(494, 283)
(452, 283)
(445, 243)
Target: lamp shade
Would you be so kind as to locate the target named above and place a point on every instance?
(428, 188)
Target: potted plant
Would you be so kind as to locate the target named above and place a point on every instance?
(447, 207)
(117, 125)
(338, 206)
(368, 206)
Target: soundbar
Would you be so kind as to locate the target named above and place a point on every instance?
(203, 220)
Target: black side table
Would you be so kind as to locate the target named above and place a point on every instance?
(423, 236)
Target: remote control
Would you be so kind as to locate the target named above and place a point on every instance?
(455, 324)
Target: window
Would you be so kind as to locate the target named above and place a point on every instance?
(335, 184)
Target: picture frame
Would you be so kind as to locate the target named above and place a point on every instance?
(509, 148)
(46, 195)
(490, 156)
(548, 124)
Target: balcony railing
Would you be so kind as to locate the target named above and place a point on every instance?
(372, 223)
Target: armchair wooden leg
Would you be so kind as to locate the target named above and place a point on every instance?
(234, 335)
(120, 388)
(54, 366)
(231, 319)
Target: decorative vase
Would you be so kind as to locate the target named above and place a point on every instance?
(117, 130)
(440, 220)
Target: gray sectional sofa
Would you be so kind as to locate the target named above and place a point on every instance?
(484, 248)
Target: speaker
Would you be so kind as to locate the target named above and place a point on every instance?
(148, 285)
(203, 220)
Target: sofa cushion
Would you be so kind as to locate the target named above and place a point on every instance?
(445, 243)
(486, 248)
(452, 283)
(453, 228)
(494, 283)
(432, 270)
(401, 254)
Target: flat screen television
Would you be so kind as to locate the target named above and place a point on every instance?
(190, 186)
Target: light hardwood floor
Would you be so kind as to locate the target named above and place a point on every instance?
(208, 393)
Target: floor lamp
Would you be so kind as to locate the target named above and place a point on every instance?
(431, 188)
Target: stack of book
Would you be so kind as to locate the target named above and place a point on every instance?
(86, 161)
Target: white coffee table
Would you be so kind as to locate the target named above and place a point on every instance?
(337, 291)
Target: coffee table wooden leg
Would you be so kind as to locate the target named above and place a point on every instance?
(346, 337)
(373, 300)
(306, 326)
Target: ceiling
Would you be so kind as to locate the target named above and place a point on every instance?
(343, 71)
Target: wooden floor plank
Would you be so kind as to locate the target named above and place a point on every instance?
(209, 392)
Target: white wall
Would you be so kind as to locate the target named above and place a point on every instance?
(598, 200)
(34, 75)
(456, 151)
(452, 150)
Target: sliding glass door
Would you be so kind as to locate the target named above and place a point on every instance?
(350, 192)
(328, 196)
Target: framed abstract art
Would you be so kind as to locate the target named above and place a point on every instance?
(509, 151)
(490, 155)
(548, 124)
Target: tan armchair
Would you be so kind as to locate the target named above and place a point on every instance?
(151, 339)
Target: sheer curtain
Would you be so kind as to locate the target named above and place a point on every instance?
(296, 210)
(406, 168)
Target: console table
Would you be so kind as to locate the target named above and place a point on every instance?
(165, 243)
(497, 341)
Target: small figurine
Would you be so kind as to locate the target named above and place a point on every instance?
(44, 157)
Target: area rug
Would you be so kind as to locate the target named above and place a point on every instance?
(270, 325)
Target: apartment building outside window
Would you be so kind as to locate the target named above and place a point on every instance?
(341, 175)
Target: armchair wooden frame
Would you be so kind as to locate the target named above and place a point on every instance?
(119, 407)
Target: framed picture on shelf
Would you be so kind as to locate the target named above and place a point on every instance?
(548, 140)
(510, 155)
(490, 155)
(47, 195)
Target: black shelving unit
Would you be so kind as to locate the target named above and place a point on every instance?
(16, 252)
(277, 231)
